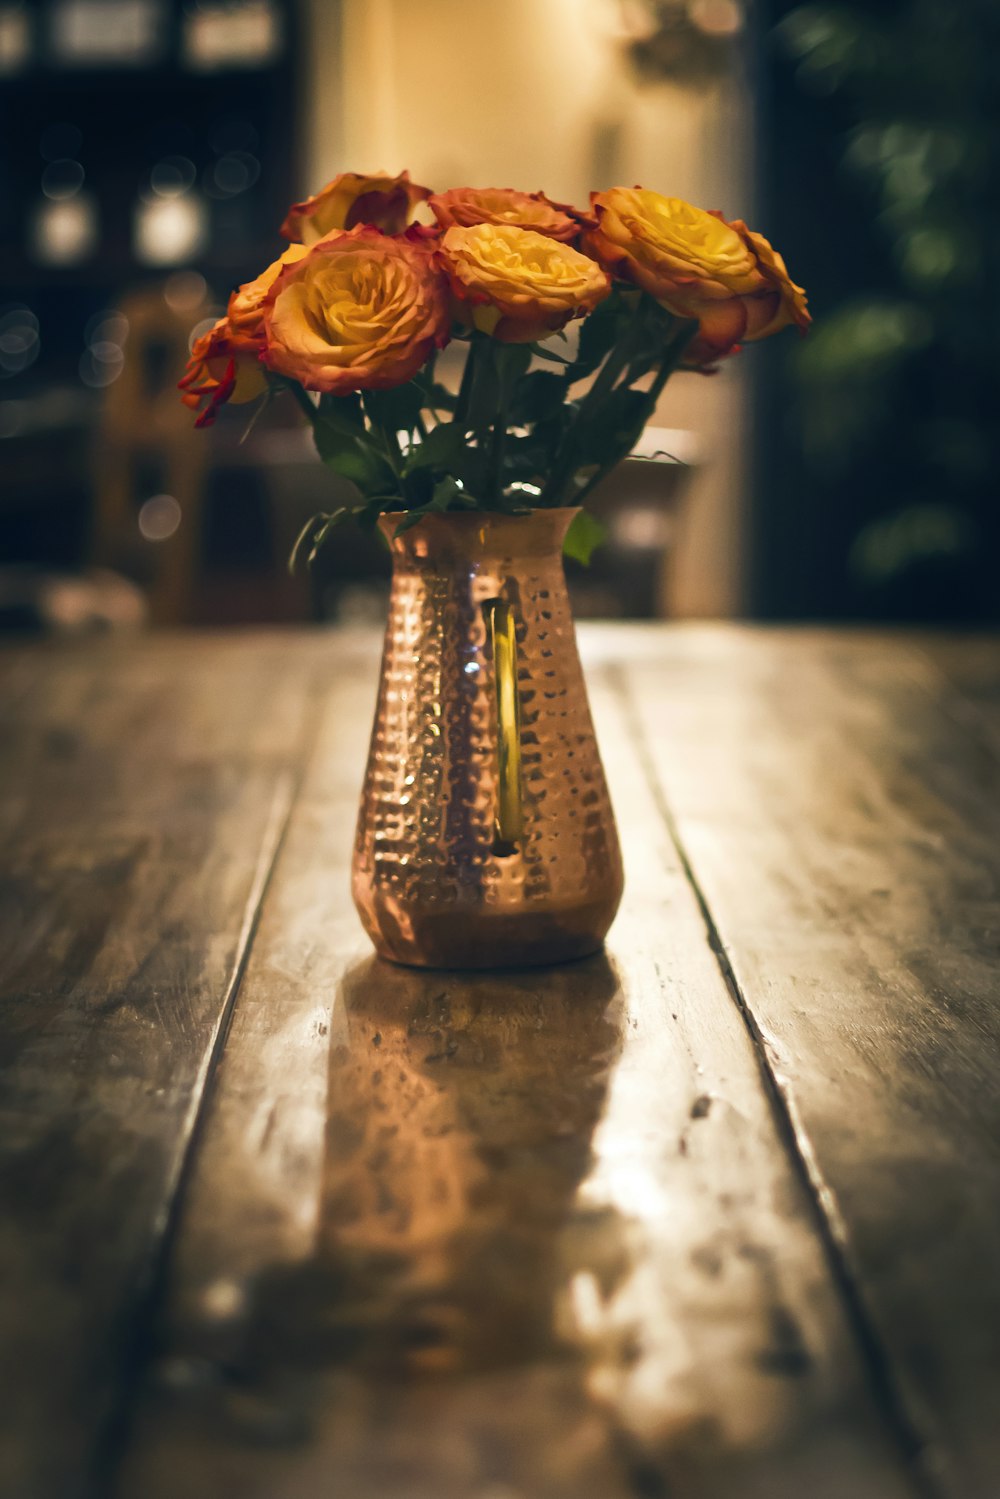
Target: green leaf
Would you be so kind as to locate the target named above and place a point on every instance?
(309, 530)
(441, 398)
(352, 458)
(323, 534)
(601, 436)
(367, 515)
(585, 534)
(598, 332)
(436, 397)
(527, 457)
(537, 397)
(616, 423)
(396, 410)
(651, 336)
(314, 534)
(541, 351)
(471, 466)
(484, 395)
(343, 414)
(511, 362)
(441, 448)
(417, 487)
(446, 493)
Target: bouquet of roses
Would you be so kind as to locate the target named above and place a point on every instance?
(351, 317)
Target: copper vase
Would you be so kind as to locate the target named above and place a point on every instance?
(485, 837)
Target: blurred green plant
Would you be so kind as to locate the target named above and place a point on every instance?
(907, 369)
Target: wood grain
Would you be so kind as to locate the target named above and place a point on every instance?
(529, 1234)
(969, 690)
(838, 801)
(143, 792)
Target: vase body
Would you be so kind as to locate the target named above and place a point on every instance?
(481, 842)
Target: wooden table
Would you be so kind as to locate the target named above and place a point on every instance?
(717, 1214)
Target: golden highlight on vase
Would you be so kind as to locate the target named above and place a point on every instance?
(364, 294)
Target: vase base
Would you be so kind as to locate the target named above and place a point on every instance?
(507, 964)
(514, 940)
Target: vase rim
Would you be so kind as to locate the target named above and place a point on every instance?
(467, 533)
(474, 516)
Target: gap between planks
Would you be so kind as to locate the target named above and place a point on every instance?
(916, 1446)
(115, 1436)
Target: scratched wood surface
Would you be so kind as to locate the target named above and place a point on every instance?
(142, 793)
(838, 801)
(714, 1214)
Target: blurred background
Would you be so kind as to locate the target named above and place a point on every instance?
(150, 148)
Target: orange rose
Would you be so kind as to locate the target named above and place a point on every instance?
(224, 364)
(219, 371)
(361, 311)
(384, 201)
(245, 313)
(697, 266)
(466, 206)
(516, 284)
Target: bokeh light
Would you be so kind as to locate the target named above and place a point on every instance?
(19, 339)
(159, 517)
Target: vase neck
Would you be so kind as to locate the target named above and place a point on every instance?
(464, 537)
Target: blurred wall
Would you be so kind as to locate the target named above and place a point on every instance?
(538, 93)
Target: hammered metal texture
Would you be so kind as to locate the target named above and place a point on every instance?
(428, 882)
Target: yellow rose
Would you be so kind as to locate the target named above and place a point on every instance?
(697, 266)
(382, 200)
(516, 284)
(504, 205)
(220, 371)
(245, 312)
(361, 311)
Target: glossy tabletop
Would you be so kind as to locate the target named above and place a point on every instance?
(714, 1214)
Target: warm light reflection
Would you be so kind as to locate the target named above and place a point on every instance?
(15, 40)
(232, 174)
(19, 340)
(108, 33)
(199, 329)
(64, 232)
(168, 230)
(101, 365)
(716, 17)
(629, 1181)
(62, 179)
(108, 325)
(234, 34)
(172, 176)
(185, 290)
(159, 517)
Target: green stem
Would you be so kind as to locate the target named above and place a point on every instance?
(388, 441)
(605, 380)
(498, 443)
(428, 377)
(305, 402)
(672, 358)
(465, 388)
(608, 374)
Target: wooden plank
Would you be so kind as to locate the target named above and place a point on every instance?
(143, 791)
(840, 810)
(526, 1234)
(970, 670)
